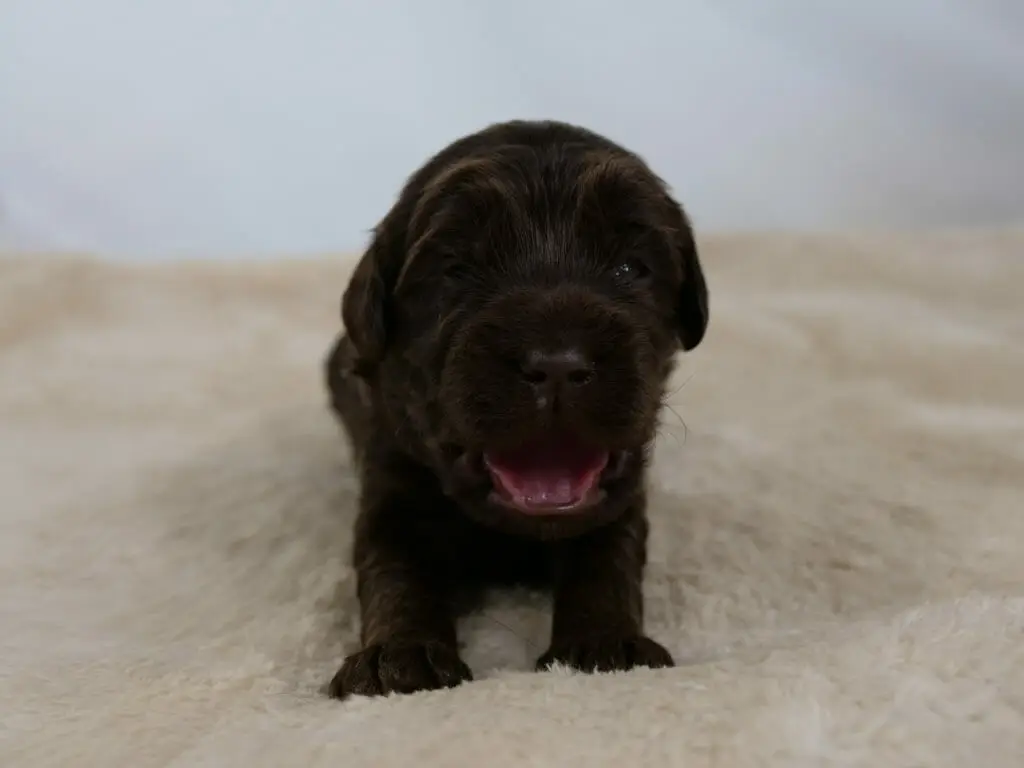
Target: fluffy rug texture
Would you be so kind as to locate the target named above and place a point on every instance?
(837, 547)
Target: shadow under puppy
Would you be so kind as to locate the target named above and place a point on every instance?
(508, 337)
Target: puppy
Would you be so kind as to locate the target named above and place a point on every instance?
(508, 336)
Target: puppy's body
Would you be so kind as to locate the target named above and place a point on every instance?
(508, 336)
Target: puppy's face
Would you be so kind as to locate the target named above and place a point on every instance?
(518, 322)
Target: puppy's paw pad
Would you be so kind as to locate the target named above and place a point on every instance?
(386, 668)
(607, 654)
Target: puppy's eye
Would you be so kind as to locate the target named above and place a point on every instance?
(630, 270)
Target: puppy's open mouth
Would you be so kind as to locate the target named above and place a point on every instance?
(555, 473)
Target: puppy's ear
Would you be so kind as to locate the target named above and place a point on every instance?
(366, 303)
(692, 301)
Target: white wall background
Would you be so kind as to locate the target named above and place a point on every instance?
(206, 127)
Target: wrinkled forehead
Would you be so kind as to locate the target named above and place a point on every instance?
(508, 208)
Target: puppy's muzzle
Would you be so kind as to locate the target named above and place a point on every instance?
(540, 361)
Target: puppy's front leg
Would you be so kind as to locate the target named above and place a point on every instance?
(598, 605)
(408, 630)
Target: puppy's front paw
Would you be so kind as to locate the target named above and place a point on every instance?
(399, 668)
(607, 653)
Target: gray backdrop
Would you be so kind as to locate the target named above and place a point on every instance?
(221, 127)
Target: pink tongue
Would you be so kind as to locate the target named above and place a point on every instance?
(550, 473)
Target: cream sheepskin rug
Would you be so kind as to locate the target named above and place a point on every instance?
(838, 542)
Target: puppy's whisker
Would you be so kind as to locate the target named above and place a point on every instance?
(679, 389)
(530, 644)
(668, 432)
(671, 408)
(682, 422)
(665, 401)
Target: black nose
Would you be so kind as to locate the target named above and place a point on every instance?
(561, 367)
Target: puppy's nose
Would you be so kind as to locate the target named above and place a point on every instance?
(564, 367)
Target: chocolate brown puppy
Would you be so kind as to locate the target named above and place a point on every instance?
(508, 336)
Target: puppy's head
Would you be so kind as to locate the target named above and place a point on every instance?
(517, 315)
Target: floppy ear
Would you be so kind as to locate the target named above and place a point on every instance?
(692, 301)
(366, 303)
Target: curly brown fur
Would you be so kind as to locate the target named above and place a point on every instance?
(508, 336)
